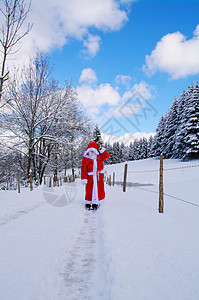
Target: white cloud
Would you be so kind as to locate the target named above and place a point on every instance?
(123, 79)
(126, 1)
(175, 55)
(126, 138)
(57, 21)
(143, 89)
(105, 101)
(92, 45)
(88, 75)
(98, 96)
(131, 102)
(93, 111)
(92, 95)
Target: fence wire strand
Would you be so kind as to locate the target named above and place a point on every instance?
(191, 203)
(156, 192)
(165, 194)
(169, 169)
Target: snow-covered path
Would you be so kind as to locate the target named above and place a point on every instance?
(33, 247)
(49, 252)
(125, 250)
(79, 277)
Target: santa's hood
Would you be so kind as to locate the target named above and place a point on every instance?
(92, 146)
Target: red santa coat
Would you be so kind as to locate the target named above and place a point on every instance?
(92, 173)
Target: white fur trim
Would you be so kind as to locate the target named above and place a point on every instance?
(87, 156)
(88, 202)
(84, 181)
(95, 187)
(101, 150)
(91, 202)
(90, 149)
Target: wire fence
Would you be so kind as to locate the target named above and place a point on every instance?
(117, 179)
(165, 194)
(169, 169)
(16, 182)
(142, 186)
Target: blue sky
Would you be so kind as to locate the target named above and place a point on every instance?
(127, 59)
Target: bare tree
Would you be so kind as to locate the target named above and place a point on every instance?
(40, 117)
(14, 13)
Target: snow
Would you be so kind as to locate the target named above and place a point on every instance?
(124, 250)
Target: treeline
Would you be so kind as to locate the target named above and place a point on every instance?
(118, 152)
(139, 149)
(177, 134)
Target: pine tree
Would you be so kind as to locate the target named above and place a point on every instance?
(157, 146)
(144, 148)
(125, 153)
(121, 158)
(116, 152)
(178, 132)
(192, 132)
(171, 124)
(181, 132)
(135, 149)
(109, 148)
(140, 149)
(131, 151)
(150, 142)
(97, 135)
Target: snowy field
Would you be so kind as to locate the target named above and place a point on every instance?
(53, 249)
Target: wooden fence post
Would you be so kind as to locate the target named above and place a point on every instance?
(31, 187)
(60, 181)
(113, 178)
(50, 181)
(18, 178)
(110, 180)
(161, 202)
(125, 176)
(44, 179)
(38, 180)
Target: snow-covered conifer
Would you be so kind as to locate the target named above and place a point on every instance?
(192, 125)
(171, 124)
(97, 135)
(150, 142)
(157, 146)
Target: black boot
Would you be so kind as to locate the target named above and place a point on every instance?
(88, 206)
(94, 206)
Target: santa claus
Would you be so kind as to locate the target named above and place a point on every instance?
(92, 174)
